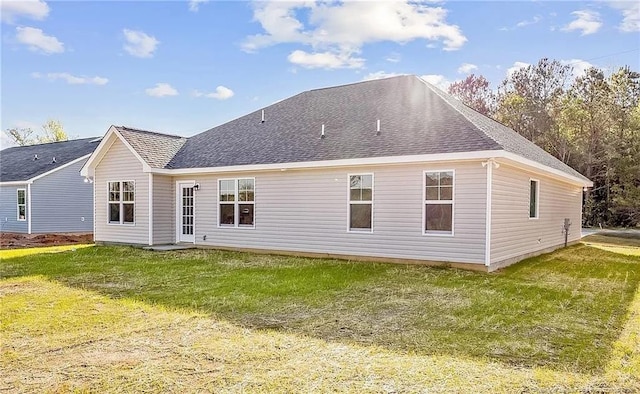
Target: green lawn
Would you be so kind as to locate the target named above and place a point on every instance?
(563, 310)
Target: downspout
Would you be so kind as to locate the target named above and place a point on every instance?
(29, 208)
(489, 164)
(150, 209)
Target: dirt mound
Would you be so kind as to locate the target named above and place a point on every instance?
(15, 240)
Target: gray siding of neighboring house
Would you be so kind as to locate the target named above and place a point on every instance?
(513, 234)
(164, 211)
(9, 210)
(306, 211)
(62, 202)
(119, 164)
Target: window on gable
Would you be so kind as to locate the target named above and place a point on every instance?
(360, 202)
(122, 202)
(236, 202)
(533, 198)
(22, 204)
(438, 202)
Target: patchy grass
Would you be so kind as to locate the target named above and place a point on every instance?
(11, 253)
(623, 245)
(562, 311)
(59, 339)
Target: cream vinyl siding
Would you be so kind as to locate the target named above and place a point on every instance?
(164, 211)
(513, 233)
(119, 164)
(307, 211)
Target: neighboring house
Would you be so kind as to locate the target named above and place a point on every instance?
(392, 169)
(41, 190)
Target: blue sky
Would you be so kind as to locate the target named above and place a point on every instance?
(183, 67)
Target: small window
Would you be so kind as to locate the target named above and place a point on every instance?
(122, 202)
(236, 202)
(22, 205)
(438, 202)
(533, 199)
(360, 202)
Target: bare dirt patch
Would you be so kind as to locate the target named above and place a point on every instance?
(16, 240)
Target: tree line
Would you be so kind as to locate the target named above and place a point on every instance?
(52, 131)
(590, 122)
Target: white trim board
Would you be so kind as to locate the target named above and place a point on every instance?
(35, 178)
(387, 160)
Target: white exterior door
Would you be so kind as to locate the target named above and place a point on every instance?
(186, 212)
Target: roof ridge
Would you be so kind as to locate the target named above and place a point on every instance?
(448, 98)
(361, 82)
(136, 130)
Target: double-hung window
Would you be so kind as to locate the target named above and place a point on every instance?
(122, 202)
(361, 202)
(236, 202)
(22, 204)
(438, 202)
(534, 193)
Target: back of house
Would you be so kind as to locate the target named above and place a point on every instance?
(41, 190)
(392, 170)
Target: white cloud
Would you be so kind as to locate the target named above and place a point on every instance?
(14, 9)
(161, 90)
(466, 68)
(194, 5)
(528, 22)
(394, 57)
(380, 75)
(331, 28)
(221, 93)
(72, 79)
(139, 44)
(37, 41)
(516, 66)
(328, 60)
(438, 80)
(579, 66)
(630, 15)
(587, 21)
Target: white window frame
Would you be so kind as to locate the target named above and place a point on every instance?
(537, 216)
(236, 204)
(18, 205)
(451, 202)
(121, 202)
(349, 202)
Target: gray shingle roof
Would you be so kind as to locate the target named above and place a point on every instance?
(415, 117)
(18, 164)
(156, 149)
(507, 138)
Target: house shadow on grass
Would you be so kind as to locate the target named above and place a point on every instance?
(562, 310)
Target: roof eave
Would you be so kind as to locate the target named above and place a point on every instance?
(387, 160)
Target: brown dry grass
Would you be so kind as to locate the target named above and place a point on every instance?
(59, 339)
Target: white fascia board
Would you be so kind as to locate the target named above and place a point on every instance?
(15, 183)
(59, 168)
(105, 144)
(554, 173)
(145, 167)
(35, 178)
(98, 153)
(368, 161)
(372, 161)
